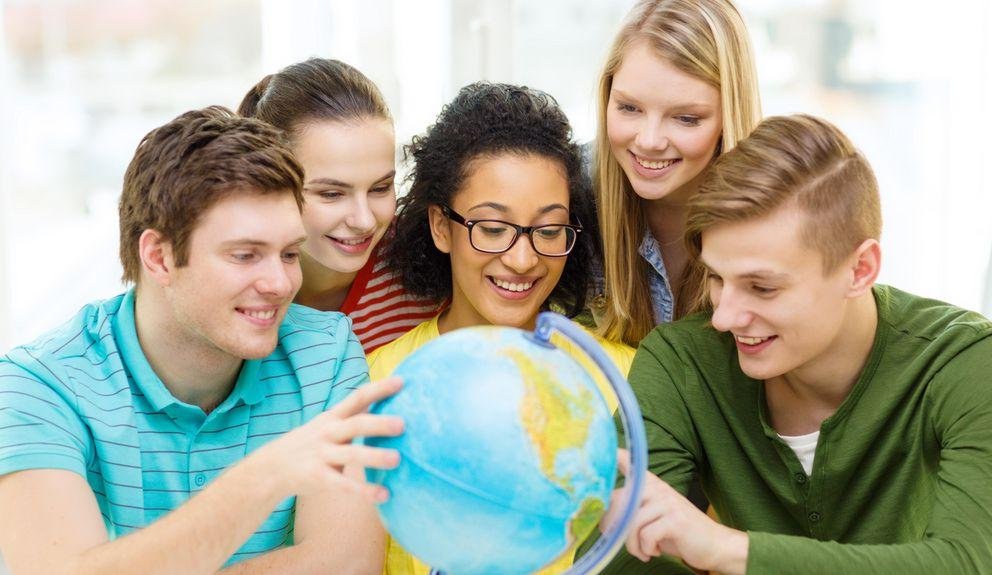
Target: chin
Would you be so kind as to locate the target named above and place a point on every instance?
(759, 372)
(255, 350)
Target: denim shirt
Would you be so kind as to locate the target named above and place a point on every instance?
(662, 300)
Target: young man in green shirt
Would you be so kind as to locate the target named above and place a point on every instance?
(837, 426)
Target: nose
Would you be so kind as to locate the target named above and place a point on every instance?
(361, 218)
(729, 311)
(521, 256)
(279, 279)
(651, 135)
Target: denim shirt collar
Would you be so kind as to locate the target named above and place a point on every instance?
(662, 300)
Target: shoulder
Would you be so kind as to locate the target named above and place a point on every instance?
(300, 318)
(690, 337)
(82, 348)
(621, 353)
(305, 328)
(928, 334)
(384, 360)
(322, 354)
(689, 356)
(928, 319)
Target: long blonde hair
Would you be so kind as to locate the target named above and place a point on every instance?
(706, 39)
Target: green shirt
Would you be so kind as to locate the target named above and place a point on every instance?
(902, 477)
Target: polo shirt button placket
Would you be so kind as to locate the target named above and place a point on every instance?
(199, 479)
(814, 517)
(800, 478)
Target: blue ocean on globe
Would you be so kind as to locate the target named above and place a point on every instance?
(508, 458)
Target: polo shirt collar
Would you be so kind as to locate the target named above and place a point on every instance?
(246, 389)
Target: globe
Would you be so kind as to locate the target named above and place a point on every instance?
(508, 458)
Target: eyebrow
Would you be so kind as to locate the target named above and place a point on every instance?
(765, 275)
(680, 105)
(504, 209)
(253, 242)
(345, 185)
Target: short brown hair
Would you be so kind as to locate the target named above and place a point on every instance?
(317, 89)
(799, 160)
(183, 168)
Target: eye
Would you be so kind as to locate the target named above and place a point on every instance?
(763, 290)
(243, 257)
(492, 229)
(687, 120)
(626, 108)
(384, 189)
(713, 278)
(328, 194)
(290, 257)
(550, 232)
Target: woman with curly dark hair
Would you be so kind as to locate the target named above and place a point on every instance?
(494, 224)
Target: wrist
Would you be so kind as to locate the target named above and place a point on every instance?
(257, 470)
(733, 553)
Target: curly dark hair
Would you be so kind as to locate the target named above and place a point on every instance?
(486, 120)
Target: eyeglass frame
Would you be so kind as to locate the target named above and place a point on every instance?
(518, 230)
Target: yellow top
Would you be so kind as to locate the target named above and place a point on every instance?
(384, 360)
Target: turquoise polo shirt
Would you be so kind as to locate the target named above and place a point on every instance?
(84, 398)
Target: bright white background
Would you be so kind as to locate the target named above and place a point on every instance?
(82, 81)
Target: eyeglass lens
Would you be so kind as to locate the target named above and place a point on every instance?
(495, 236)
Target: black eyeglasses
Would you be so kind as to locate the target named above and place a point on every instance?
(497, 236)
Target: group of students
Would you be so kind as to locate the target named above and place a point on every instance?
(206, 419)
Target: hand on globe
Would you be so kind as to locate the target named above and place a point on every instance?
(315, 455)
(666, 522)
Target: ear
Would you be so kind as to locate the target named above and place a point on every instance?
(866, 265)
(157, 260)
(440, 229)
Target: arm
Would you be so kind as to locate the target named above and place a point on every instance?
(671, 443)
(52, 523)
(957, 539)
(335, 532)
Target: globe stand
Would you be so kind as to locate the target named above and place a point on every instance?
(633, 429)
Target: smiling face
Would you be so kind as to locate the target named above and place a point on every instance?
(509, 288)
(663, 124)
(769, 290)
(348, 191)
(242, 273)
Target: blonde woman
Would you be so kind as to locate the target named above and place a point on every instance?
(679, 88)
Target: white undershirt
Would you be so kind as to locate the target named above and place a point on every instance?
(804, 447)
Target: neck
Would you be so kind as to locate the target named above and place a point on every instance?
(193, 371)
(814, 391)
(323, 288)
(461, 314)
(666, 220)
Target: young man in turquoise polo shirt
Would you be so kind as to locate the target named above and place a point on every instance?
(199, 420)
(837, 426)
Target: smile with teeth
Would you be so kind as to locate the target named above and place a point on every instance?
(351, 242)
(516, 287)
(751, 340)
(659, 165)
(259, 314)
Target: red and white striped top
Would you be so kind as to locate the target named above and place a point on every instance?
(379, 308)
